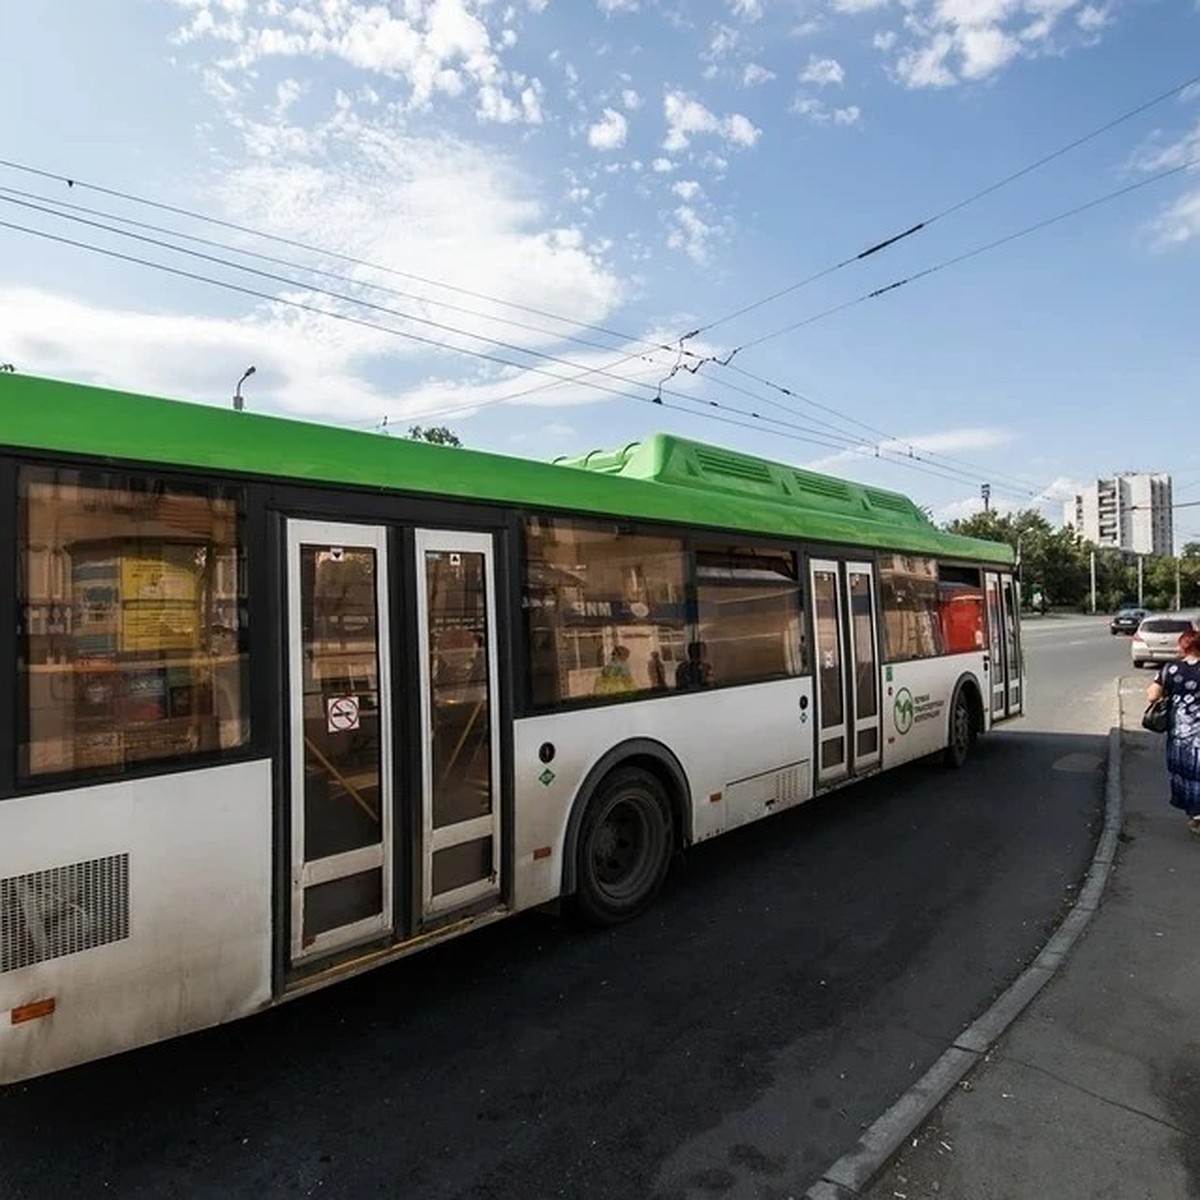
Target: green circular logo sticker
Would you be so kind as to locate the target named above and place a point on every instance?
(902, 711)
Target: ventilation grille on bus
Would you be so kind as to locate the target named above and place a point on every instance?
(890, 500)
(53, 913)
(817, 485)
(733, 465)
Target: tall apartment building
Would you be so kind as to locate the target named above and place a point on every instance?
(1129, 512)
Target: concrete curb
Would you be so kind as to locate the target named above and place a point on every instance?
(855, 1170)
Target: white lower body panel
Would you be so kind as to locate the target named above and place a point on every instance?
(165, 883)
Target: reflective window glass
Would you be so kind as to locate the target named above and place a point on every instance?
(749, 614)
(605, 611)
(908, 586)
(133, 621)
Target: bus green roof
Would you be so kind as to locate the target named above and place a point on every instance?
(662, 478)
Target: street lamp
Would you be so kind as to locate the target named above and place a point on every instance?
(238, 402)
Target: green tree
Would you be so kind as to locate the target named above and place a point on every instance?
(439, 435)
(1053, 561)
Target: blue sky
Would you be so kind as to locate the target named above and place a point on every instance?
(628, 171)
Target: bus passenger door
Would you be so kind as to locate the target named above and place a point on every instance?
(845, 634)
(339, 725)
(460, 713)
(1004, 648)
(828, 660)
(866, 750)
(1012, 644)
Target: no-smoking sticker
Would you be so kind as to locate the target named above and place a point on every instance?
(341, 714)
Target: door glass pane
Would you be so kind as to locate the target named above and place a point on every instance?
(340, 680)
(456, 592)
(829, 666)
(458, 866)
(994, 626)
(865, 688)
(1013, 661)
(342, 902)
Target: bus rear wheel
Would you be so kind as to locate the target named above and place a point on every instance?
(624, 848)
(962, 732)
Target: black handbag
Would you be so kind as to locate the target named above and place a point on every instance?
(1157, 715)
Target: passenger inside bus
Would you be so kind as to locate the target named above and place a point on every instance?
(697, 671)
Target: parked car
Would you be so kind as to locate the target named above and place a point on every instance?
(1127, 620)
(1157, 638)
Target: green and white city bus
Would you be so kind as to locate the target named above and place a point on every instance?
(287, 701)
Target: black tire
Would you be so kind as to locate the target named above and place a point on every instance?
(961, 731)
(624, 851)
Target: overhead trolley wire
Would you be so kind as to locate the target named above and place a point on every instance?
(325, 251)
(695, 361)
(785, 429)
(20, 195)
(334, 295)
(843, 439)
(896, 284)
(888, 242)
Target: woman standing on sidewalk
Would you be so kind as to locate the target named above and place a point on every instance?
(1180, 682)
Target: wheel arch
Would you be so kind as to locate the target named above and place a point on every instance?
(967, 685)
(649, 755)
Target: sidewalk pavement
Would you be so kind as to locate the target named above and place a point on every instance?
(1093, 1090)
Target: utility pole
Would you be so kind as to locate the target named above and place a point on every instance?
(1139, 558)
(1093, 580)
(1178, 602)
(985, 490)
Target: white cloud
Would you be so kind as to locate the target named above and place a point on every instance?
(662, 165)
(946, 441)
(614, 6)
(747, 10)
(188, 356)
(723, 44)
(437, 47)
(985, 50)
(1092, 19)
(740, 130)
(631, 99)
(884, 40)
(853, 7)
(1179, 221)
(433, 209)
(610, 132)
(816, 111)
(691, 234)
(950, 41)
(823, 72)
(687, 117)
(299, 372)
(686, 189)
(926, 66)
(753, 75)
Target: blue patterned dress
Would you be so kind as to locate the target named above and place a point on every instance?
(1181, 682)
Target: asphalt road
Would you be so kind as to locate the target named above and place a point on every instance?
(792, 981)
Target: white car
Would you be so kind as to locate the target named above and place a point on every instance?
(1157, 638)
